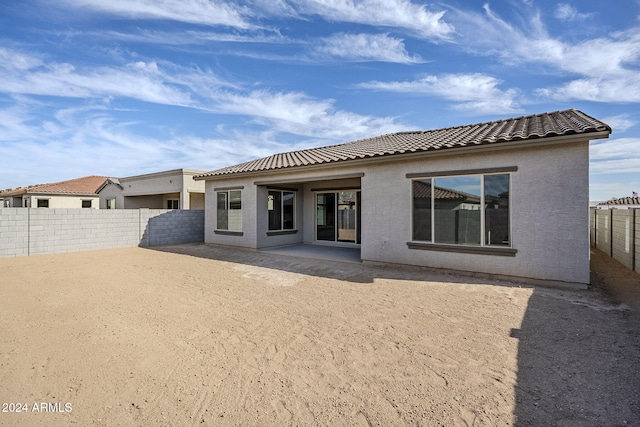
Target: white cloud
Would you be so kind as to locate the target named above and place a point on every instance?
(607, 67)
(615, 156)
(566, 12)
(166, 84)
(477, 93)
(603, 89)
(299, 114)
(620, 148)
(619, 123)
(366, 47)
(602, 191)
(204, 12)
(391, 13)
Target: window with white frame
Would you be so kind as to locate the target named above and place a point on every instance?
(281, 208)
(229, 210)
(86, 204)
(470, 210)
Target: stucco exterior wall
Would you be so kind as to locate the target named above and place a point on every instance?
(549, 211)
(62, 201)
(196, 201)
(111, 191)
(548, 202)
(153, 190)
(248, 236)
(149, 202)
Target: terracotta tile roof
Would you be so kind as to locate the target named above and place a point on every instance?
(540, 126)
(622, 201)
(86, 185)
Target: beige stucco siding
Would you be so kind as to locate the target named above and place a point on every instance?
(61, 201)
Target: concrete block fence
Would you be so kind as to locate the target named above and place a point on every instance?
(25, 231)
(616, 232)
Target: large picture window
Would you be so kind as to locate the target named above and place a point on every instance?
(470, 210)
(229, 210)
(281, 208)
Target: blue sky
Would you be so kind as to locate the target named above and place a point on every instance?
(126, 87)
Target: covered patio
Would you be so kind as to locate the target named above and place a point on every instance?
(330, 253)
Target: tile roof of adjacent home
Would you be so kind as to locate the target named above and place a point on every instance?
(622, 201)
(539, 126)
(79, 186)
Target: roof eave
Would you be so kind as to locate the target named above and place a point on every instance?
(530, 142)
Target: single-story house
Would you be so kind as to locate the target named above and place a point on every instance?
(173, 189)
(621, 203)
(506, 198)
(74, 193)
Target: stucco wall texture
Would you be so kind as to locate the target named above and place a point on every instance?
(42, 231)
(549, 210)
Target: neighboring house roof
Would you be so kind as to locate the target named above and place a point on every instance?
(108, 181)
(540, 126)
(622, 201)
(79, 186)
(423, 190)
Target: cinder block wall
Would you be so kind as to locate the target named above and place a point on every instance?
(622, 236)
(43, 231)
(14, 232)
(602, 232)
(616, 232)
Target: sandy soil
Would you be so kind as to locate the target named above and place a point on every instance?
(197, 335)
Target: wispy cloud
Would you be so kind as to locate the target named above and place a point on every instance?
(165, 83)
(365, 47)
(401, 14)
(204, 12)
(478, 93)
(567, 13)
(607, 67)
(613, 156)
(619, 123)
(299, 114)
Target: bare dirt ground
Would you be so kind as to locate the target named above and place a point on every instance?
(199, 335)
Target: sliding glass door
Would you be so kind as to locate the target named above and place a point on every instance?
(338, 216)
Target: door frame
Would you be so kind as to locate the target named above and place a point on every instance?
(358, 216)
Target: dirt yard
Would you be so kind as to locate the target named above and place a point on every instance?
(197, 335)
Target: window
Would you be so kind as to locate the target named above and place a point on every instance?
(173, 204)
(43, 203)
(470, 210)
(281, 207)
(229, 210)
(86, 204)
(111, 203)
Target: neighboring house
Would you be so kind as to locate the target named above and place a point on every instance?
(482, 198)
(621, 203)
(174, 189)
(74, 193)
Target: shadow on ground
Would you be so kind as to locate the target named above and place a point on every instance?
(578, 352)
(348, 271)
(579, 356)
